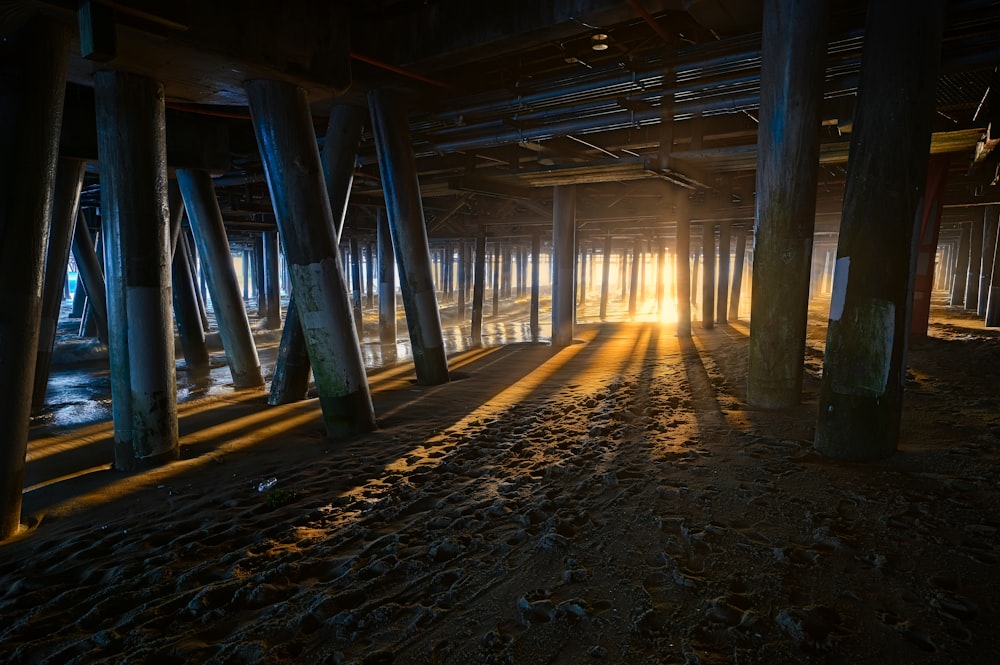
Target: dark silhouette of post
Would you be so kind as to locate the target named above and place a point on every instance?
(284, 129)
(864, 367)
(133, 157)
(564, 258)
(792, 67)
(398, 170)
(35, 59)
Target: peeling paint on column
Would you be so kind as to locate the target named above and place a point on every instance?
(868, 371)
(839, 294)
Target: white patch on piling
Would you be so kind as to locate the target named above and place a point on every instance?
(839, 294)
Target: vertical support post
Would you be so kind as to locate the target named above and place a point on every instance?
(340, 152)
(739, 257)
(479, 288)
(272, 287)
(564, 258)
(217, 263)
(133, 157)
(33, 85)
(633, 289)
(409, 235)
(794, 51)
(583, 277)
(661, 260)
(725, 247)
(369, 274)
(497, 253)
(605, 276)
(974, 266)
(65, 207)
(707, 275)
(961, 266)
(536, 251)
(990, 222)
(192, 335)
(864, 368)
(623, 273)
(290, 382)
(92, 274)
(993, 302)
(258, 275)
(245, 263)
(683, 265)
(286, 138)
(928, 227)
(460, 293)
(386, 282)
(356, 285)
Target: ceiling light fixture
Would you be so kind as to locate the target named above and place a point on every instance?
(599, 41)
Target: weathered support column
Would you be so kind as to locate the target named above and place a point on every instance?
(794, 50)
(478, 288)
(695, 272)
(258, 275)
(682, 275)
(564, 258)
(89, 266)
(928, 228)
(340, 153)
(641, 258)
(661, 260)
(290, 382)
(707, 275)
(409, 235)
(605, 276)
(65, 206)
(993, 302)
(369, 274)
(623, 274)
(133, 158)
(460, 292)
(286, 138)
(213, 248)
(386, 282)
(961, 267)
(536, 252)
(79, 299)
(355, 245)
(272, 287)
(245, 263)
(738, 259)
(198, 277)
(497, 253)
(633, 288)
(990, 221)
(185, 293)
(864, 368)
(582, 295)
(974, 267)
(725, 247)
(32, 87)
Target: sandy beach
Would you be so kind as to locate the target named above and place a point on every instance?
(615, 501)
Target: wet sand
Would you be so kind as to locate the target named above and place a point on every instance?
(614, 501)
